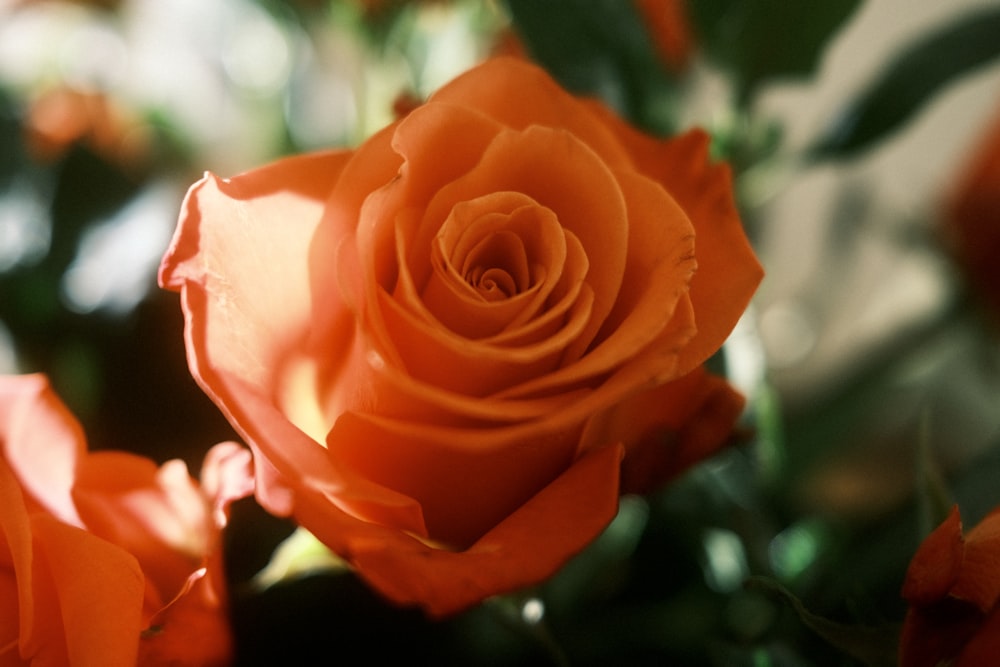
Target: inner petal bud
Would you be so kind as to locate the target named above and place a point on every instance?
(494, 261)
(498, 266)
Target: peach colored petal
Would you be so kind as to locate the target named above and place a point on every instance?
(491, 88)
(300, 461)
(560, 172)
(525, 243)
(232, 259)
(191, 630)
(439, 357)
(9, 624)
(226, 476)
(158, 515)
(668, 428)
(570, 512)
(402, 397)
(728, 270)
(565, 308)
(462, 491)
(19, 558)
(100, 591)
(361, 173)
(41, 440)
(660, 265)
(242, 243)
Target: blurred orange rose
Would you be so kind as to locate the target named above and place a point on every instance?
(104, 558)
(972, 219)
(60, 117)
(670, 29)
(953, 587)
(441, 345)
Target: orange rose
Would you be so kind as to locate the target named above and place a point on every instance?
(670, 29)
(441, 345)
(972, 219)
(953, 587)
(104, 558)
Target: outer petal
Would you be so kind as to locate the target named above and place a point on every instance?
(669, 428)
(979, 579)
(728, 270)
(159, 516)
(935, 567)
(193, 628)
(41, 440)
(192, 631)
(100, 592)
(539, 101)
(79, 597)
(464, 489)
(953, 588)
(239, 259)
(570, 512)
(972, 217)
(241, 243)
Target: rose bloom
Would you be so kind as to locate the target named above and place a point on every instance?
(953, 588)
(106, 559)
(452, 348)
(972, 219)
(670, 29)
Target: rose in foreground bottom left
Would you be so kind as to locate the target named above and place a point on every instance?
(106, 558)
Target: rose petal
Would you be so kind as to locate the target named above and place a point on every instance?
(570, 512)
(41, 440)
(540, 101)
(100, 592)
(660, 265)
(936, 565)
(463, 491)
(535, 251)
(979, 577)
(669, 428)
(728, 270)
(230, 247)
(157, 515)
(191, 630)
(245, 307)
(16, 530)
(560, 172)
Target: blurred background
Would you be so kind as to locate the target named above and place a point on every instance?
(863, 137)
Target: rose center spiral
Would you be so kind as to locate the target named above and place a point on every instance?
(497, 267)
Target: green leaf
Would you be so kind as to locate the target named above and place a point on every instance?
(757, 40)
(911, 79)
(300, 555)
(594, 47)
(874, 646)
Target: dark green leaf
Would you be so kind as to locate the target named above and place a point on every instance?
(757, 40)
(874, 646)
(910, 80)
(593, 47)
